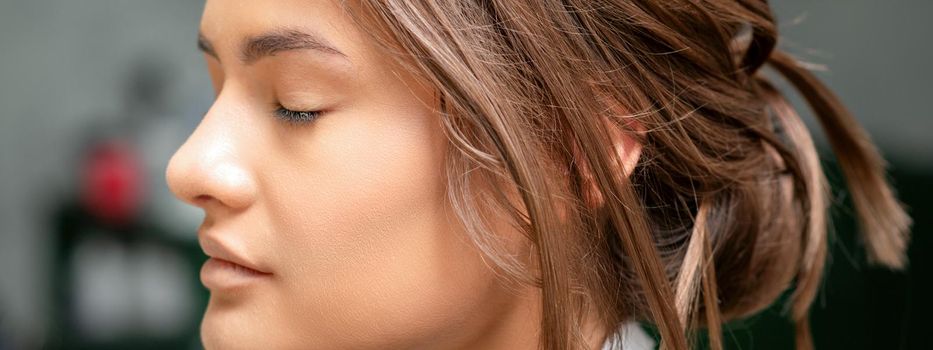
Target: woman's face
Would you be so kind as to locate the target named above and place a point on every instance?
(334, 232)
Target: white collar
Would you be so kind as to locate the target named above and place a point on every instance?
(629, 336)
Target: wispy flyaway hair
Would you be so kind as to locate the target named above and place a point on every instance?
(727, 206)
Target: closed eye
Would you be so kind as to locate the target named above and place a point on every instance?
(296, 117)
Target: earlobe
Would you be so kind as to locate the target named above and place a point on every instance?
(627, 152)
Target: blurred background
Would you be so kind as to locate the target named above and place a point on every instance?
(96, 95)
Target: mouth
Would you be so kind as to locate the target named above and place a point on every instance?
(228, 269)
(223, 275)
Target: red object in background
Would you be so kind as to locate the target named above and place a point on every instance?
(112, 187)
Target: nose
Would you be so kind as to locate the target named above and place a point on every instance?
(211, 168)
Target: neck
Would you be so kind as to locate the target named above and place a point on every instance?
(519, 326)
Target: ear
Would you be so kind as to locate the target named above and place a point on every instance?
(627, 150)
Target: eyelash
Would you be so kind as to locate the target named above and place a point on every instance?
(296, 117)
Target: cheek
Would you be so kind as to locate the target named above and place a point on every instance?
(365, 241)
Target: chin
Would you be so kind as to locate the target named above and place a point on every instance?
(233, 326)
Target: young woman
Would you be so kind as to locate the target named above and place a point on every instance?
(487, 174)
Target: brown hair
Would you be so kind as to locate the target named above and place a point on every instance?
(726, 208)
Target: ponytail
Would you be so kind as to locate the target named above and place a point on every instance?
(884, 223)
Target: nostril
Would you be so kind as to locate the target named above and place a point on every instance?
(202, 199)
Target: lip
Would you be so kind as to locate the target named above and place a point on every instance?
(220, 275)
(227, 269)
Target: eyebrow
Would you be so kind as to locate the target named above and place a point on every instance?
(270, 43)
(205, 46)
